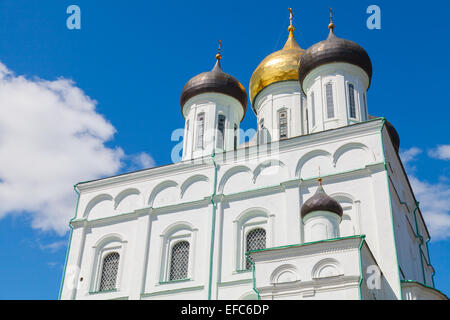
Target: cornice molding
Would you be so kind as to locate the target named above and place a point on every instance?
(312, 249)
(312, 286)
(249, 153)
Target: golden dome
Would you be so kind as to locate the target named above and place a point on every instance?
(279, 66)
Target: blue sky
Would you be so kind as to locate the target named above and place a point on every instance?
(129, 63)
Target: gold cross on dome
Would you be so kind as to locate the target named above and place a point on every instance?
(218, 55)
(291, 27)
(331, 25)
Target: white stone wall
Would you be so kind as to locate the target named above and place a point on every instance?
(279, 96)
(139, 213)
(212, 105)
(340, 75)
(321, 225)
(417, 291)
(411, 233)
(314, 271)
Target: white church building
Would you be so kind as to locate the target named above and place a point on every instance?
(317, 205)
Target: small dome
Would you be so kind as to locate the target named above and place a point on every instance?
(214, 81)
(334, 49)
(320, 201)
(279, 66)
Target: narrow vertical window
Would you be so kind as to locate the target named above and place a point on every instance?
(313, 110)
(256, 240)
(330, 102)
(179, 261)
(221, 131)
(200, 130)
(235, 136)
(110, 267)
(260, 131)
(282, 123)
(186, 136)
(307, 121)
(365, 107)
(351, 98)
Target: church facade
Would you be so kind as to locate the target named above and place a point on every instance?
(316, 206)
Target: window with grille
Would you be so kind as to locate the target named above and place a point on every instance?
(313, 110)
(330, 102)
(351, 97)
(221, 131)
(200, 130)
(109, 272)
(282, 121)
(179, 261)
(256, 240)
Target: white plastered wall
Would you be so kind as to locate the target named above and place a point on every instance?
(270, 188)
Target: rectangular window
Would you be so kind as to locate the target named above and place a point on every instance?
(179, 261)
(365, 107)
(200, 130)
(351, 99)
(260, 131)
(313, 110)
(220, 131)
(186, 136)
(256, 240)
(109, 272)
(282, 121)
(330, 102)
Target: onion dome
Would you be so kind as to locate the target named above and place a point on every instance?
(279, 66)
(320, 201)
(334, 49)
(215, 81)
(392, 133)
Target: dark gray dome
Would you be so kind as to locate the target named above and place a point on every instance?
(214, 81)
(320, 201)
(392, 133)
(334, 49)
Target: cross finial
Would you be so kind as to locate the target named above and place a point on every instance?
(331, 25)
(291, 26)
(218, 55)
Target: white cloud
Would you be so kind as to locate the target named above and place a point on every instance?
(441, 152)
(434, 198)
(52, 264)
(54, 246)
(51, 137)
(141, 161)
(435, 206)
(410, 154)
